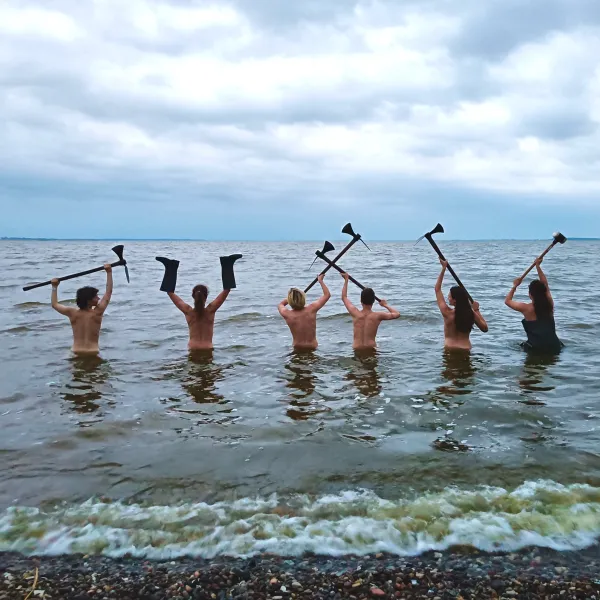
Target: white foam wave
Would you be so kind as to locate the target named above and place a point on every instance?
(540, 513)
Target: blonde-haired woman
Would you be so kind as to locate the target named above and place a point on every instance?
(302, 319)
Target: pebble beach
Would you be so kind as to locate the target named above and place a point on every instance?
(458, 573)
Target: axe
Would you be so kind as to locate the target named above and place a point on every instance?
(118, 250)
(439, 229)
(328, 247)
(355, 238)
(559, 238)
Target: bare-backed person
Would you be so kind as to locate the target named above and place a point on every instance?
(200, 318)
(302, 319)
(86, 320)
(365, 321)
(460, 314)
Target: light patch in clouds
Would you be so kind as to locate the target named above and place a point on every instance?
(374, 111)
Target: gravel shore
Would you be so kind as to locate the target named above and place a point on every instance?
(458, 573)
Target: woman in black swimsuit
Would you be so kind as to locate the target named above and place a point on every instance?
(538, 316)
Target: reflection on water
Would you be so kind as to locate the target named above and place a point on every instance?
(301, 381)
(364, 373)
(534, 372)
(458, 370)
(201, 378)
(89, 376)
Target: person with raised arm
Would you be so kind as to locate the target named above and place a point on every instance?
(200, 318)
(538, 315)
(365, 321)
(86, 320)
(459, 314)
(302, 319)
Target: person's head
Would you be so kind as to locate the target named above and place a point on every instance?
(464, 318)
(87, 297)
(296, 299)
(367, 297)
(538, 293)
(199, 294)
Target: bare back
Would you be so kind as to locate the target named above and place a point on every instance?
(365, 321)
(303, 327)
(453, 338)
(86, 326)
(201, 328)
(200, 323)
(366, 324)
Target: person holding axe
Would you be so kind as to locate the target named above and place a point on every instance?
(86, 320)
(538, 315)
(365, 321)
(302, 319)
(460, 314)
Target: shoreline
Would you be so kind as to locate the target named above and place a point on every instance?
(460, 572)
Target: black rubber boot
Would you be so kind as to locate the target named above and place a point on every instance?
(227, 273)
(170, 278)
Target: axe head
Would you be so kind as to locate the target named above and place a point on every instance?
(437, 229)
(347, 228)
(559, 238)
(327, 247)
(118, 250)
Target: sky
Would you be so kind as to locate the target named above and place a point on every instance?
(281, 120)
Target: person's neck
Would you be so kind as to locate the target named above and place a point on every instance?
(367, 308)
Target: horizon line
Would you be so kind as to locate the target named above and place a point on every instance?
(114, 239)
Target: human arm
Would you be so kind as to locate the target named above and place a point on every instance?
(184, 307)
(479, 320)
(103, 304)
(439, 296)
(63, 310)
(281, 308)
(320, 303)
(349, 306)
(391, 314)
(218, 301)
(518, 306)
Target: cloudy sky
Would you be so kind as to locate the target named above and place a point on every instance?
(280, 119)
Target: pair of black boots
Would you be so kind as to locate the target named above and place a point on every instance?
(170, 277)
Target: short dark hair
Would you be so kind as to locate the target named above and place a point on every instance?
(367, 297)
(84, 295)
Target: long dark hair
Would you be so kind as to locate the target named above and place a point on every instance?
(199, 294)
(464, 318)
(539, 295)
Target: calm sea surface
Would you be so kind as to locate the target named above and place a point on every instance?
(144, 450)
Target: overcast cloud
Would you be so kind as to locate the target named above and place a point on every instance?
(271, 119)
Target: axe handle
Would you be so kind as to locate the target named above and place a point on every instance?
(540, 256)
(348, 246)
(80, 274)
(337, 268)
(450, 269)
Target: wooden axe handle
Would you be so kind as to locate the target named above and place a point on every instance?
(348, 246)
(540, 256)
(339, 269)
(450, 269)
(80, 274)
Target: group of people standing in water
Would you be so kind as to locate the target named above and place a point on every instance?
(460, 314)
